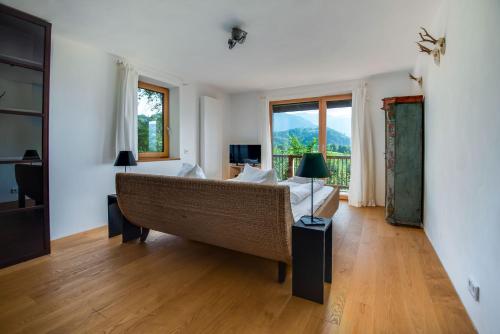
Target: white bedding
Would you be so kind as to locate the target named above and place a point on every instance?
(303, 208)
(300, 191)
(256, 175)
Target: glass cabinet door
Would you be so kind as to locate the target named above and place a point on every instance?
(21, 171)
(21, 41)
(21, 186)
(20, 136)
(21, 89)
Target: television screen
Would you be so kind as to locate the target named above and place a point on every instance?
(241, 154)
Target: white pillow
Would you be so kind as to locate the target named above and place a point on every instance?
(188, 170)
(185, 169)
(197, 173)
(257, 175)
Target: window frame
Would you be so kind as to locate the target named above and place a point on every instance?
(322, 100)
(152, 156)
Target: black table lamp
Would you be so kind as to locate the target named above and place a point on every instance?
(31, 155)
(312, 165)
(125, 158)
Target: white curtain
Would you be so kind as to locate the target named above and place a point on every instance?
(265, 135)
(126, 113)
(362, 184)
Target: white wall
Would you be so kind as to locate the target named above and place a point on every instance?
(243, 123)
(211, 137)
(82, 107)
(462, 179)
(81, 114)
(246, 109)
(379, 87)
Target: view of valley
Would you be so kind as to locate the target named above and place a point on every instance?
(297, 132)
(150, 120)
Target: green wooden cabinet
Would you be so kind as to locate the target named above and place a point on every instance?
(404, 159)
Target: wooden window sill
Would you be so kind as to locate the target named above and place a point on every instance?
(157, 159)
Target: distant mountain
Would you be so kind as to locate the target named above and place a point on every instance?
(306, 136)
(337, 138)
(340, 121)
(283, 121)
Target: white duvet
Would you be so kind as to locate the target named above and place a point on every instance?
(300, 197)
(300, 191)
(304, 208)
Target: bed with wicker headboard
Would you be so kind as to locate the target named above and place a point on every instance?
(245, 217)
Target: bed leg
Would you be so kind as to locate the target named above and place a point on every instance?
(144, 234)
(281, 271)
(130, 231)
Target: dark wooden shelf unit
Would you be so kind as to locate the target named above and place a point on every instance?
(20, 161)
(21, 63)
(21, 112)
(25, 43)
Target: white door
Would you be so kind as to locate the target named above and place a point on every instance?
(211, 141)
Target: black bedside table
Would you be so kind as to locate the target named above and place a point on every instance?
(115, 217)
(311, 259)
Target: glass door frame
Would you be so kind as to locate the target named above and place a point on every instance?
(322, 100)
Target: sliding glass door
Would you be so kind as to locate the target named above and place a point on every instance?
(295, 131)
(321, 124)
(338, 142)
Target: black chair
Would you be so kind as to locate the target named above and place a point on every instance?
(29, 180)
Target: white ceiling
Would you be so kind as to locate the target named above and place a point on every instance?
(289, 43)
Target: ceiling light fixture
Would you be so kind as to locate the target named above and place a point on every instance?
(237, 36)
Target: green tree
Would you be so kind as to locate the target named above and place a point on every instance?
(312, 146)
(155, 103)
(297, 147)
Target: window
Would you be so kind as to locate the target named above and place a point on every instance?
(296, 128)
(152, 118)
(321, 124)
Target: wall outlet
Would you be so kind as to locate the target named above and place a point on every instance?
(473, 288)
(13, 190)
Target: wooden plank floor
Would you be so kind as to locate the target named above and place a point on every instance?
(386, 280)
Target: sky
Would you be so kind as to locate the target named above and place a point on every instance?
(144, 107)
(338, 119)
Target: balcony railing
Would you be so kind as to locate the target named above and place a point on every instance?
(339, 166)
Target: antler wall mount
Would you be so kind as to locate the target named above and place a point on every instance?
(439, 45)
(417, 79)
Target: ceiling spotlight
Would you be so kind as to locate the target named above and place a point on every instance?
(237, 36)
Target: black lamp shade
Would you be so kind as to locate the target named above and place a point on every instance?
(125, 158)
(31, 155)
(313, 165)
